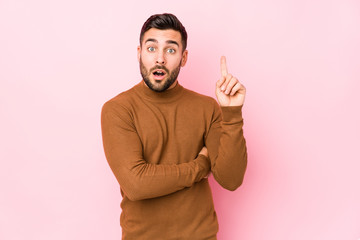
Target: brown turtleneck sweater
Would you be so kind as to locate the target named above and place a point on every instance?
(151, 142)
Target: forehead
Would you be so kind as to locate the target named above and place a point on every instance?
(162, 35)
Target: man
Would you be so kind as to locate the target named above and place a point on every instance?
(162, 140)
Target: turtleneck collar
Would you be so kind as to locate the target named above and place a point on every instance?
(165, 96)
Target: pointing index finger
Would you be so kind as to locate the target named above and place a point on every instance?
(223, 67)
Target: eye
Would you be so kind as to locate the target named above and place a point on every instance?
(151, 49)
(171, 50)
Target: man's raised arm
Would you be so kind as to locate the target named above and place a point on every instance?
(225, 140)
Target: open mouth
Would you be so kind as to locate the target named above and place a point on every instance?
(159, 73)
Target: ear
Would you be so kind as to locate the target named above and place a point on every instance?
(138, 53)
(184, 58)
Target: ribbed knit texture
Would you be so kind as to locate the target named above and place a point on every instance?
(152, 141)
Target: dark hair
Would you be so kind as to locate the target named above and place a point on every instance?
(164, 21)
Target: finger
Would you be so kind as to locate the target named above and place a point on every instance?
(235, 89)
(204, 151)
(233, 81)
(223, 66)
(220, 82)
(225, 84)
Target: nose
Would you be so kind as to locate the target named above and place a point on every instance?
(160, 58)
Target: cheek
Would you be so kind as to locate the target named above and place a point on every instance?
(146, 59)
(175, 61)
(178, 61)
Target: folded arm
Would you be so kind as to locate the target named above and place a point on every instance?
(139, 179)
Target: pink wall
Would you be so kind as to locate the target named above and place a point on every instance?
(300, 61)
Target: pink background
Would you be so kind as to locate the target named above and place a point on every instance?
(300, 61)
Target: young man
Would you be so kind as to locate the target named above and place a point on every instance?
(162, 140)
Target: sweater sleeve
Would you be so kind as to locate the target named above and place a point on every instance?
(139, 179)
(227, 147)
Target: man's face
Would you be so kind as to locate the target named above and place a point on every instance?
(161, 57)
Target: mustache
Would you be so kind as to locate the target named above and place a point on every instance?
(159, 67)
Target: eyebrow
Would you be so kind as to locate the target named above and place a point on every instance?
(168, 41)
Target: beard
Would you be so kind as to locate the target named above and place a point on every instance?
(157, 86)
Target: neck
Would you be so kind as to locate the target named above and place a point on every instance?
(171, 94)
(171, 86)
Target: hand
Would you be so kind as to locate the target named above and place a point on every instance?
(204, 152)
(229, 91)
